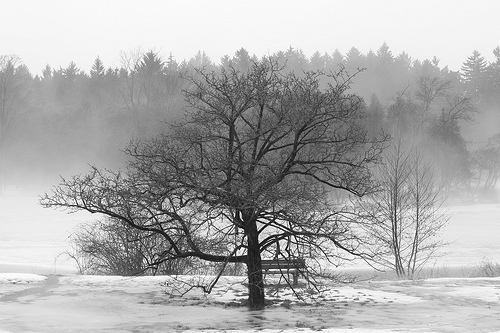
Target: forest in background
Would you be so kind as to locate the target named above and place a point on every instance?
(59, 122)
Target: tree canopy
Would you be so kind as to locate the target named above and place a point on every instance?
(248, 174)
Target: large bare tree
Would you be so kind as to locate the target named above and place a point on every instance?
(247, 175)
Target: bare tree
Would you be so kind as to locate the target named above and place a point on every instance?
(404, 217)
(430, 90)
(247, 174)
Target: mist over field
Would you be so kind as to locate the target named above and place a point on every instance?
(59, 122)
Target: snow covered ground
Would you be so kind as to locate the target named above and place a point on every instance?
(39, 293)
(71, 303)
(473, 234)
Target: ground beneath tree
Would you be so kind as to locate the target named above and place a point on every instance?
(72, 303)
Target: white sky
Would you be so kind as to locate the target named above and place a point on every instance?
(56, 32)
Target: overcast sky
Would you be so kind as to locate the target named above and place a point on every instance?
(56, 32)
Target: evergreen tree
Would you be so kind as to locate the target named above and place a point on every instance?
(242, 60)
(474, 75)
(201, 60)
(47, 72)
(172, 64)
(384, 54)
(375, 117)
(296, 60)
(317, 62)
(71, 72)
(404, 116)
(337, 60)
(97, 69)
(450, 151)
(493, 77)
(226, 61)
(384, 69)
(353, 58)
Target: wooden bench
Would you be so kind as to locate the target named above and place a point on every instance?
(279, 266)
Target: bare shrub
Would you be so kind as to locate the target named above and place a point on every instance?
(110, 247)
(487, 268)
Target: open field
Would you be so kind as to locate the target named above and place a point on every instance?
(32, 238)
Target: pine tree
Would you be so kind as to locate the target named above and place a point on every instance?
(474, 75)
(317, 62)
(47, 72)
(493, 73)
(337, 59)
(242, 60)
(384, 54)
(97, 69)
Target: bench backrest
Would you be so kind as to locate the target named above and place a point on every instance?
(283, 263)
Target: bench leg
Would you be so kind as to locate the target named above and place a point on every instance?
(295, 277)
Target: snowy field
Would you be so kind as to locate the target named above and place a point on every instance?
(73, 303)
(32, 238)
(40, 293)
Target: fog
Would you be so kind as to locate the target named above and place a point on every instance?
(57, 123)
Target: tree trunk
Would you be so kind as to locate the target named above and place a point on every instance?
(254, 265)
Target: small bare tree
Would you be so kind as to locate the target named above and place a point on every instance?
(404, 217)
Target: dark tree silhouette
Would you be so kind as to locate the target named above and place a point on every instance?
(251, 167)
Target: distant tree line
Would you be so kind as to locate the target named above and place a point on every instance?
(60, 121)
